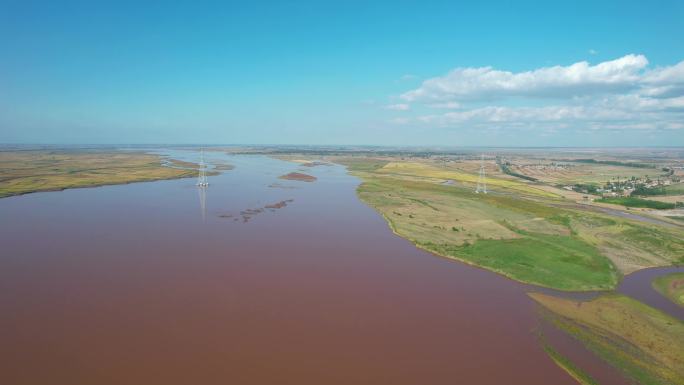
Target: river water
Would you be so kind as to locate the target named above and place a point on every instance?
(158, 283)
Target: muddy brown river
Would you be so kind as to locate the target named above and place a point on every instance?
(137, 284)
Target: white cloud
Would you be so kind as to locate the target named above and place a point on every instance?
(666, 75)
(593, 52)
(486, 83)
(398, 107)
(446, 105)
(618, 94)
(527, 114)
(665, 81)
(641, 103)
(611, 113)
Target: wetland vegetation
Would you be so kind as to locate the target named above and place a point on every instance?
(569, 367)
(642, 342)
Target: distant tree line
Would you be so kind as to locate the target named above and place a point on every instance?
(585, 188)
(615, 163)
(642, 190)
(505, 167)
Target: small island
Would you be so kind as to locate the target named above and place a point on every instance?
(299, 177)
(224, 167)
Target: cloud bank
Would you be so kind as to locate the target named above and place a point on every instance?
(625, 93)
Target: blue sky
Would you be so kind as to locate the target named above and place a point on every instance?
(391, 72)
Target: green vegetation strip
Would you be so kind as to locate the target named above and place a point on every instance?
(507, 170)
(564, 363)
(615, 163)
(637, 202)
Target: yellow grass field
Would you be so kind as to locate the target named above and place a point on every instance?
(424, 170)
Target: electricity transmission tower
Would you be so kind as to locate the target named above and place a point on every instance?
(202, 178)
(481, 179)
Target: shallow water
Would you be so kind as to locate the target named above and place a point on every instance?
(157, 283)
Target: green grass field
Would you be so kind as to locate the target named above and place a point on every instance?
(671, 286)
(638, 202)
(561, 262)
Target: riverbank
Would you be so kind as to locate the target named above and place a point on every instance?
(518, 230)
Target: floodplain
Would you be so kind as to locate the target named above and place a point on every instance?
(391, 256)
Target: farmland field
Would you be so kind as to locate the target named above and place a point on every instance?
(567, 173)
